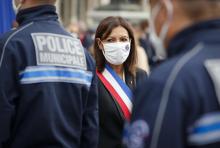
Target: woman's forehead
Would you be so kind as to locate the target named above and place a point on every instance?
(119, 31)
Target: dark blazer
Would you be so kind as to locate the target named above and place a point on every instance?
(110, 114)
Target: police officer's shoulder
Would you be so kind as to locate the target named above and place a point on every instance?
(6, 35)
(10, 35)
(157, 78)
(181, 75)
(5, 38)
(162, 72)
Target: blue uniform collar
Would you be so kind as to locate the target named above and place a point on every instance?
(43, 12)
(207, 31)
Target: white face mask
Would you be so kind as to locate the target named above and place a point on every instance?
(16, 7)
(116, 53)
(158, 40)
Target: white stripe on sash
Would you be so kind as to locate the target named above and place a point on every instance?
(109, 77)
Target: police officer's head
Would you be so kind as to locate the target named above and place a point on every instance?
(171, 16)
(22, 4)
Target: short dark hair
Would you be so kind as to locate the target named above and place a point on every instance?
(197, 10)
(201, 9)
(103, 31)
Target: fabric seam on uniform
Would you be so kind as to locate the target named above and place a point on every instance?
(166, 91)
(9, 38)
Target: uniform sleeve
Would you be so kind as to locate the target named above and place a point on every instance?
(8, 92)
(89, 137)
(153, 125)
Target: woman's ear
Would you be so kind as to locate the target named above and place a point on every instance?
(100, 45)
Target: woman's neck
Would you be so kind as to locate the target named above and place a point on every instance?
(119, 69)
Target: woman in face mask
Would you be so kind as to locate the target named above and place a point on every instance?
(115, 54)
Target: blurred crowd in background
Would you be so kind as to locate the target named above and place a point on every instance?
(80, 29)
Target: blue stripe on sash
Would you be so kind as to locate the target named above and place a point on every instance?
(127, 90)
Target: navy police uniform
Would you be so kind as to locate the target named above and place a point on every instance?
(48, 92)
(178, 106)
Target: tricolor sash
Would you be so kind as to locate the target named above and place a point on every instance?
(118, 89)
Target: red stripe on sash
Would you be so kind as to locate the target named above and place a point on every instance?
(123, 106)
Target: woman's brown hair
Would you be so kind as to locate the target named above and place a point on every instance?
(103, 31)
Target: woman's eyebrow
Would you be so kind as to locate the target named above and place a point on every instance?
(113, 37)
(110, 37)
(124, 36)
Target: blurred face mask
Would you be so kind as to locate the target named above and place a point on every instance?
(16, 5)
(158, 40)
(116, 53)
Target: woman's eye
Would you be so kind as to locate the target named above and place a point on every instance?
(109, 40)
(124, 39)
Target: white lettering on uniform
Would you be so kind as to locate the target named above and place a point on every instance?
(64, 45)
(41, 41)
(51, 43)
(59, 50)
(61, 58)
(70, 46)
